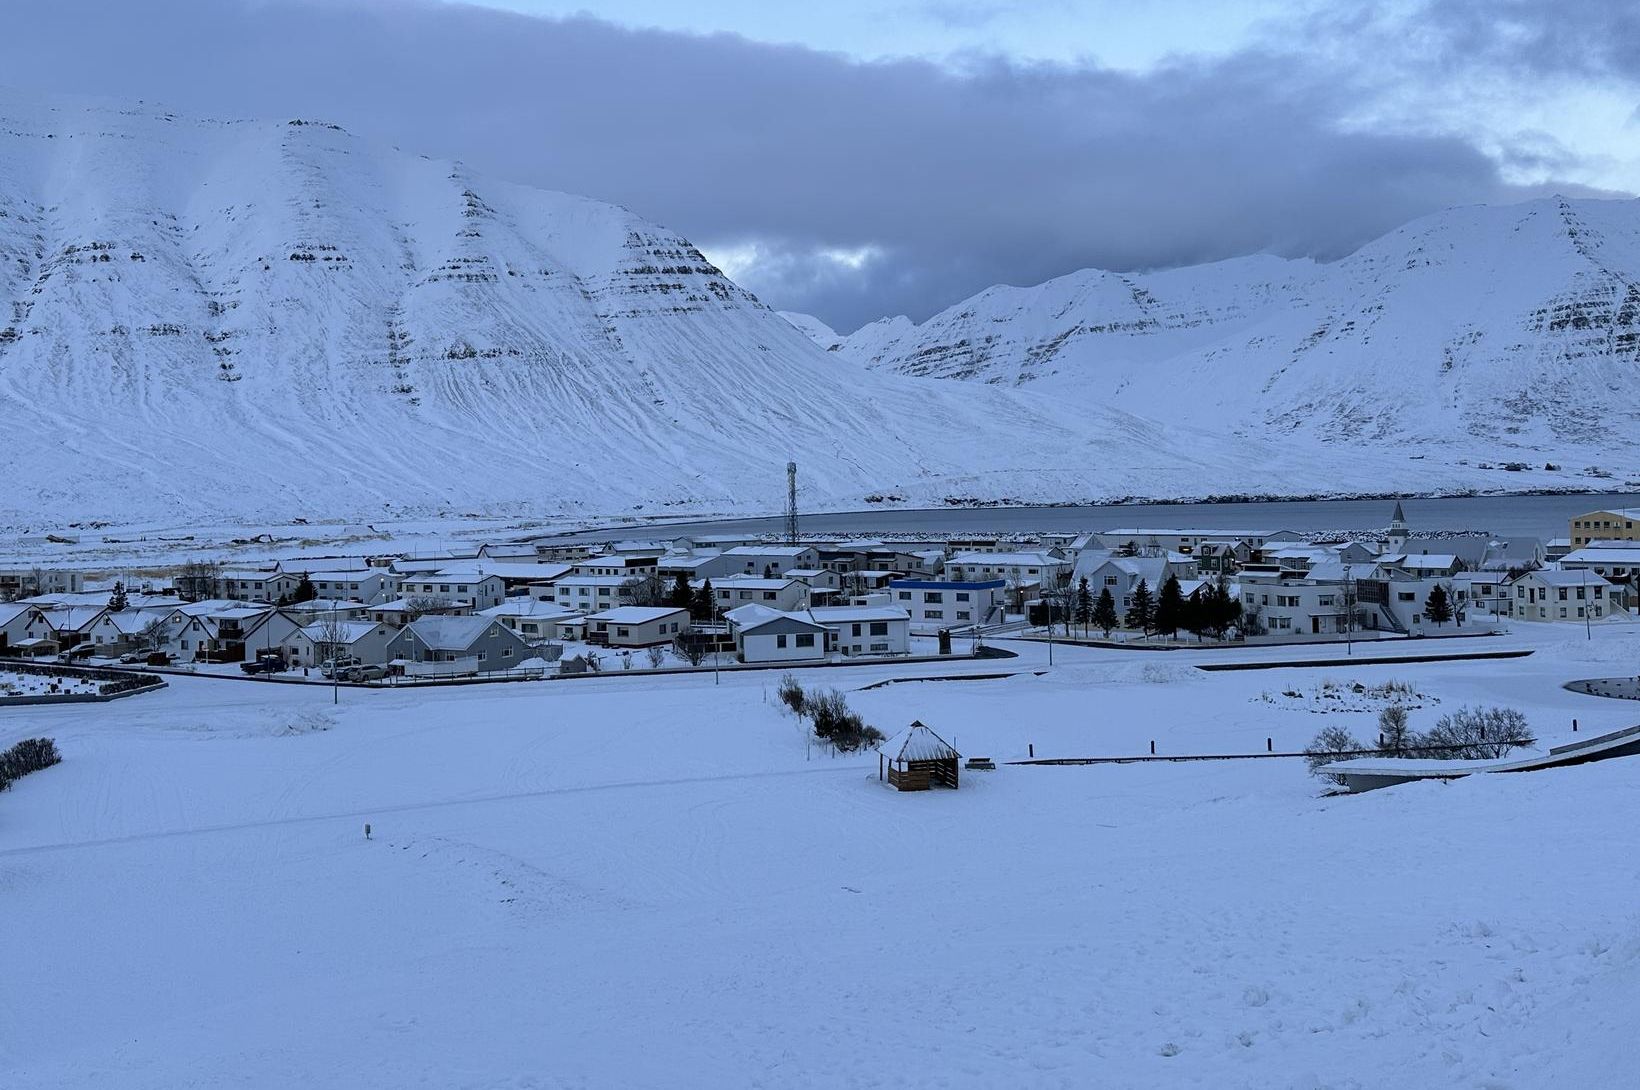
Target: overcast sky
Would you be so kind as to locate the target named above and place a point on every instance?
(853, 159)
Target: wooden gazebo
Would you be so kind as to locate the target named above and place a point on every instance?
(918, 759)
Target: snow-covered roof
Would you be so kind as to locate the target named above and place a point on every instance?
(1579, 577)
(451, 633)
(592, 581)
(769, 550)
(751, 582)
(528, 607)
(845, 614)
(73, 618)
(752, 616)
(635, 614)
(1010, 560)
(1607, 555)
(918, 742)
(339, 631)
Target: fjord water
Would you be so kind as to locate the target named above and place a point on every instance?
(1543, 516)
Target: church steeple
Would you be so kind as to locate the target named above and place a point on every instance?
(1398, 528)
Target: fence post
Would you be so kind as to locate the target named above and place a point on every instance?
(1153, 747)
(1032, 747)
(1574, 726)
(1269, 745)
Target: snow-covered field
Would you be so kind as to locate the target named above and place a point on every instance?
(619, 882)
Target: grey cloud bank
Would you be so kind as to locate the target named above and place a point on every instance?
(949, 180)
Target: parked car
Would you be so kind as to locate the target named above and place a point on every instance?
(78, 652)
(264, 664)
(159, 658)
(333, 667)
(133, 656)
(364, 673)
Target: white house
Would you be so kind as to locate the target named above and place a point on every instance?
(1121, 575)
(771, 559)
(15, 621)
(864, 630)
(1020, 569)
(762, 634)
(366, 641)
(536, 620)
(259, 586)
(627, 566)
(1556, 595)
(277, 631)
(24, 582)
(589, 593)
(779, 592)
(637, 626)
(480, 589)
(936, 604)
(362, 584)
(1614, 560)
(1184, 540)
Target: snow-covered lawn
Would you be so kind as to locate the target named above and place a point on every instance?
(652, 882)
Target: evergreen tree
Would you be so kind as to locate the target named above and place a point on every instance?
(1169, 613)
(703, 603)
(1226, 607)
(1438, 606)
(305, 591)
(683, 595)
(1198, 611)
(1104, 612)
(117, 601)
(1142, 612)
(1084, 604)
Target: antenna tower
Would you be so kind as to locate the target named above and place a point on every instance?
(791, 503)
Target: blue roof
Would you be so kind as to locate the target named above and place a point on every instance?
(946, 584)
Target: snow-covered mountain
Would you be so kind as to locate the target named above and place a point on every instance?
(264, 320)
(1502, 332)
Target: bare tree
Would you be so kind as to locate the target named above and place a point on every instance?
(332, 639)
(422, 604)
(657, 657)
(646, 590)
(692, 646)
(153, 635)
(198, 580)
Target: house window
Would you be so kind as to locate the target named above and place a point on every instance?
(506, 652)
(621, 632)
(856, 631)
(879, 647)
(780, 640)
(482, 655)
(905, 596)
(964, 615)
(879, 628)
(933, 596)
(962, 596)
(805, 639)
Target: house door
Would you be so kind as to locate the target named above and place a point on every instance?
(1315, 625)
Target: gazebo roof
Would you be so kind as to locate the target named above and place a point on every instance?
(919, 743)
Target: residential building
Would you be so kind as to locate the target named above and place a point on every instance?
(1616, 524)
(1121, 575)
(479, 589)
(1018, 569)
(536, 620)
(936, 604)
(589, 593)
(1616, 561)
(1551, 594)
(16, 619)
(25, 582)
(771, 559)
(366, 641)
(457, 645)
(864, 630)
(259, 586)
(637, 626)
(762, 634)
(1138, 539)
(401, 611)
(777, 593)
(626, 565)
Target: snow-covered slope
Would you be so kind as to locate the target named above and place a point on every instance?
(260, 320)
(1504, 332)
(818, 332)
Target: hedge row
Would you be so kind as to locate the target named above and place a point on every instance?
(29, 755)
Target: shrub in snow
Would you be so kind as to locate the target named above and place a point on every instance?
(657, 657)
(835, 723)
(791, 694)
(29, 755)
(1474, 734)
(1332, 744)
(1395, 738)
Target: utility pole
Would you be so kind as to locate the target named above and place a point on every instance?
(1583, 589)
(1349, 613)
(791, 503)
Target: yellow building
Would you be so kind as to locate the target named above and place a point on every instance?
(1622, 524)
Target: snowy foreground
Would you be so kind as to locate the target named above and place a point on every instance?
(617, 882)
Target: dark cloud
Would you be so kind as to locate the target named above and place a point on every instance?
(947, 180)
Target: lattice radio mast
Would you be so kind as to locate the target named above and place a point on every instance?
(791, 503)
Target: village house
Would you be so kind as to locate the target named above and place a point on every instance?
(864, 630)
(771, 559)
(16, 620)
(762, 634)
(1618, 524)
(456, 645)
(1612, 560)
(936, 604)
(637, 626)
(259, 586)
(590, 593)
(536, 620)
(401, 611)
(1140, 540)
(1022, 570)
(341, 609)
(1551, 594)
(363, 585)
(625, 565)
(1484, 590)
(478, 589)
(695, 567)
(1121, 575)
(518, 574)
(777, 593)
(275, 632)
(321, 641)
(25, 582)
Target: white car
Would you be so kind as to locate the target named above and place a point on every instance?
(333, 667)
